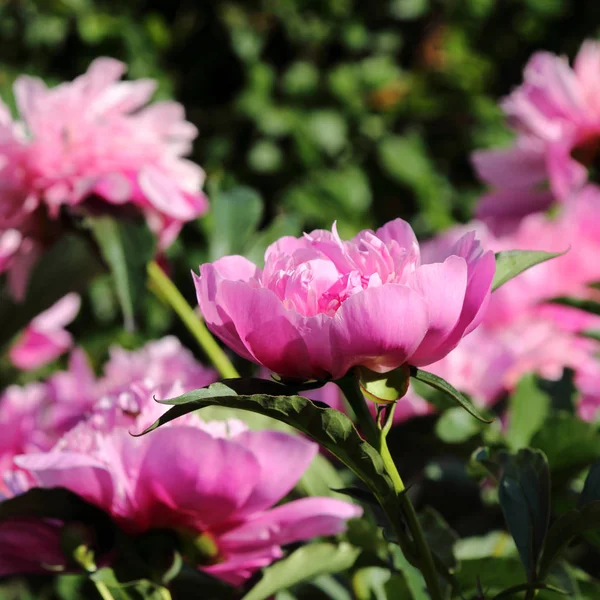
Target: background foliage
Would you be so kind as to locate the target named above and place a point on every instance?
(315, 111)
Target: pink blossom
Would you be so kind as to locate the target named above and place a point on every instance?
(186, 479)
(321, 305)
(521, 331)
(556, 116)
(46, 338)
(96, 140)
(35, 416)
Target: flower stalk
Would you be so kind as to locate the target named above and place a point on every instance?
(406, 513)
(166, 290)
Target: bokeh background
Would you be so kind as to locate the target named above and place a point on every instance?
(331, 109)
(309, 112)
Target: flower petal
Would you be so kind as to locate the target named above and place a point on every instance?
(378, 328)
(283, 458)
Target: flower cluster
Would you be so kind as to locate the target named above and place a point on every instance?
(556, 117)
(209, 482)
(94, 142)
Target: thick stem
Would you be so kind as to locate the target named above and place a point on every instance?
(351, 388)
(377, 439)
(103, 590)
(165, 289)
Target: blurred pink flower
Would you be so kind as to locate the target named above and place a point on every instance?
(96, 140)
(35, 416)
(556, 116)
(521, 331)
(198, 479)
(46, 338)
(322, 305)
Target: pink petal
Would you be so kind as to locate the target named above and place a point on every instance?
(10, 240)
(238, 567)
(187, 475)
(378, 328)
(503, 210)
(442, 286)
(34, 349)
(513, 168)
(209, 294)
(282, 457)
(165, 195)
(401, 232)
(277, 338)
(29, 546)
(84, 475)
(44, 339)
(292, 522)
(59, 315)
(29, 94)
(565, 173)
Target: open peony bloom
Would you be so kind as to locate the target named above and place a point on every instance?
(46, 338)
(556, 116)
(214, 485)
(521, 331)
(35, 416)
(322, 305)
(95, 140)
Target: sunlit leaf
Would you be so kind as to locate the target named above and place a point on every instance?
(511, 263)
(304, 564)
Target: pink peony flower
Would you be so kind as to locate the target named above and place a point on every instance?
(35, 416)
(225, 492)
(321, 305)
(96, 140)
(521, 332)
(46, 338)
(556, 116)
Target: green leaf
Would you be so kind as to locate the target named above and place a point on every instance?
(141, 589)
(440, 537)
(573, 523)
(378, 583)
(591, 488)
(569, 443)
(412, 576)
(523, 587)
(304, 564)
(586, 305)
(126, 247)
(511, 263)
(235, 214)
(443, 386)
(363, 496)
(492, 544)
(524, 494)
(456, 426)
(328, 427)
(331, 587)
(369, 583)
(527, 409)
(494, 573)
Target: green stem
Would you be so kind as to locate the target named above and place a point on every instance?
(351, 388)
(165, 593)
(103, 590)
(165, 289)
